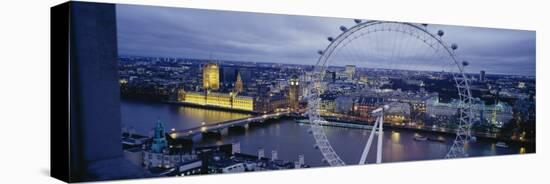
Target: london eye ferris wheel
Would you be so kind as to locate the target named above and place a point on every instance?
(382, 46)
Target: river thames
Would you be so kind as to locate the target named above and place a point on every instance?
(291, 139)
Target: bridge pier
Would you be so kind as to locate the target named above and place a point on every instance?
(196, 137)
(211, 135)
(255, 123)
(237, 129)
(224, 131)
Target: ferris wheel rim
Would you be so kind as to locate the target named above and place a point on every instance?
(462, 85)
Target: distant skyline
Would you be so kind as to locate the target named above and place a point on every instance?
(242, 36)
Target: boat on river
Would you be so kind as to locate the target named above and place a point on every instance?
(501, 144)
(420, 138)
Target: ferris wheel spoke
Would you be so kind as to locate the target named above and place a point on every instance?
(390, 45)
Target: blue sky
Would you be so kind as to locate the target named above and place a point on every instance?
(228, 35)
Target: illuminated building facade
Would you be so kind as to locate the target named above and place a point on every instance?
(327, 105)
(364, 79)
(272, 103)
(211, 76)
(398, 113)
(197, 98)
(366, 104)
(294, 93)
(181, 95)
(242, 103)
(214, 99)
(418, 105)
(219, 100)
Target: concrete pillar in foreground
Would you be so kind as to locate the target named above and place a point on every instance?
(85, 64)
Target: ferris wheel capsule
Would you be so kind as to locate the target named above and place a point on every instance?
(454, 46)
(418, 30)
(440, 33)
(343, 28)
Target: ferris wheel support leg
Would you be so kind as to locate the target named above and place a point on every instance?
(363, 159)
(380, 136)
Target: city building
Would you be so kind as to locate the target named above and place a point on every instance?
(366, 104)
(398, 113)
(166, 159)
(224, 100)
(482, 76)
(228, 76)
(327, 104)
(159, 139)
(418, 101)
(132, 144)
(158, 154)
(497, 114)
(364, 79)
(239, 84)
(414, 82)
(242, 102)
(211, 76)
(246, 75)
(350, 71)
(191, 167)
(294, 93)
(344, 104)
(181, 95)
(330, 76)
(219, 99)
(274, 102)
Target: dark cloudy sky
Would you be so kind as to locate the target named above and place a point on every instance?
(225, 35)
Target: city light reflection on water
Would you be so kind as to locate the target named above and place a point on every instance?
(291, 139)
(522, 150)
(142, 116)
(210, 116)
(395, 136)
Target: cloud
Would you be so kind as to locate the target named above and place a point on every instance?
(227, 35)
